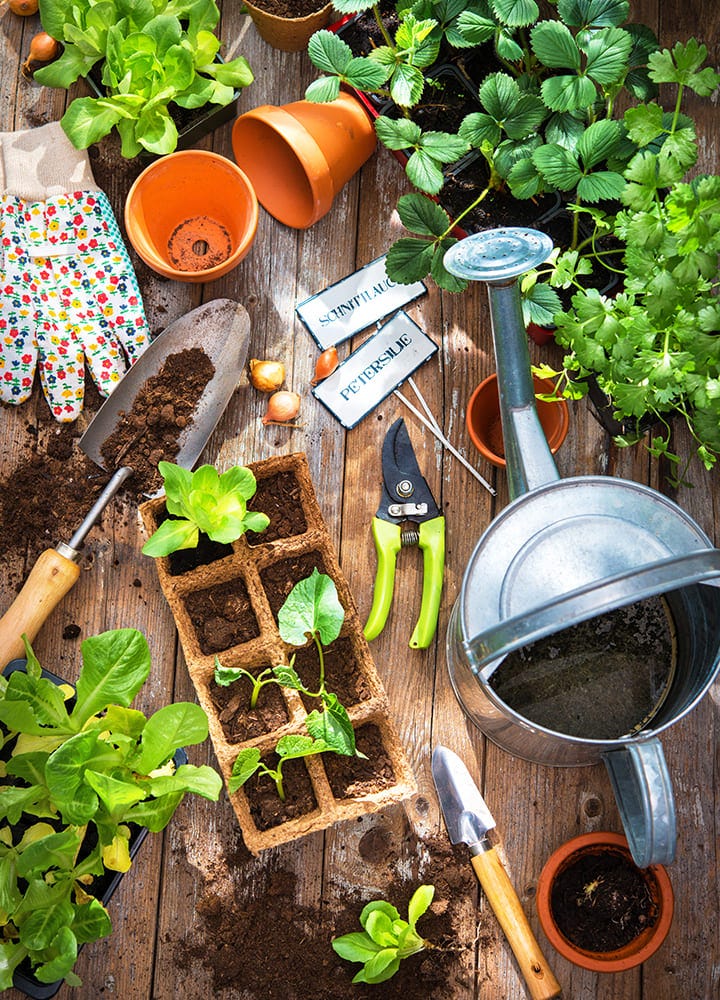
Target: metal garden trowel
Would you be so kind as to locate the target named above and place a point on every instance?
(221, 329)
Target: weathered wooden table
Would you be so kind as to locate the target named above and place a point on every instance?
(536, 807)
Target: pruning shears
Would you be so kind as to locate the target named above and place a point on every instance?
(406, 497)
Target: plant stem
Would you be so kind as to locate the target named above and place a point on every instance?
(381, 26)
(481, 197)
(321, 657)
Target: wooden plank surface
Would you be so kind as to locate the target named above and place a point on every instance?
(536, 807)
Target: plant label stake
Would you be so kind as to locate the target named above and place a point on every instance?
(468, 821)
(375, 369)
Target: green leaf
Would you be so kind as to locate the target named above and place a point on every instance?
(398, 133)
(116, 795)
(603, 185)
(644, 124)
(378, 904)
(515, 13)
(406, 85)
(288, 677)
(608, 52)
(246, 764)
(203, 781)
(312, 607)
(558, 166)
(168, 729)
(323, 90)
(293, 746)
(355, 947)
(91, 922)
(51, 910)
(423, 171)
(11, 955)
(682, 66)
(409, 260)
(440, 274)
(443, 146)
(593, 13)
(89, 119)
(475, 27)
(329, 53)
(332, 726)
(599, 142)
(419, 903)
(116, 664)
(380, 968)
(568, 93)
(379, 927)
(422, 216)
(58, 850)
(171, 536)
(63, 948)
(366, 74)
(554, 45)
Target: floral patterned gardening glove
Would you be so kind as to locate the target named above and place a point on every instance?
(68, 292)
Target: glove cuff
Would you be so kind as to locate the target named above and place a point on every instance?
(40, 163)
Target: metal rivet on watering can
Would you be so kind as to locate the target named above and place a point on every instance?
(498, 257)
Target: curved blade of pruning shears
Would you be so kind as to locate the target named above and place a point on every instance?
(406, 496)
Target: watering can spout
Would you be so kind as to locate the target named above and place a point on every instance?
(498, 257)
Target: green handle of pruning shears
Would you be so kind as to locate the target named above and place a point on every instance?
(387, 544)
(432, 542)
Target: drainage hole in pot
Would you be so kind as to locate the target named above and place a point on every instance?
(199, 243)
(602, 679)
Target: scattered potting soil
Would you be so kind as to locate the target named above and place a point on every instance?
(199, 243)
(357, 776)
(342, 674)
(239, 721)
(222, 616)
(266, 807)
(258, 942)
(48, 494)
(602, 902)
(279, 578)
(161, 411)
(601, 679)
(280, 498)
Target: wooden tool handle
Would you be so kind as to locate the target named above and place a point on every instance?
(502, 897)
(50, 579)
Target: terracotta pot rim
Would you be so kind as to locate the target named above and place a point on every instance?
(322, 9)
(630, 955)
(155, 261)
(556, 439)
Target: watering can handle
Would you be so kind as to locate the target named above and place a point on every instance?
(487, 648)
(643, 792)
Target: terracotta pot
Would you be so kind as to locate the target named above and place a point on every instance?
(630, 955)
(192, 215)
(482, 419)
(299, 156)
(289, 34)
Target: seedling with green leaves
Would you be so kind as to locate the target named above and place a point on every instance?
(206, 501)
(655, 348)
(386, 939)
(312, 611)
(70, 770)
(546, 119)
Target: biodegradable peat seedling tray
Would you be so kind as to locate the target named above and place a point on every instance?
(228, 608)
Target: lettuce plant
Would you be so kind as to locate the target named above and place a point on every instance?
(206, 501)
(386, 939)
(312, 611)
(79, 768)
(152, 54)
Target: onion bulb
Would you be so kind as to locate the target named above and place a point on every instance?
(23, 7)
(267, 376)
(43, 48)
(282, 407)
(325, 364)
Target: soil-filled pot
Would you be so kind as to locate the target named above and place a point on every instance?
(289, 34)
(226, 610)
(299, 156)
(484, 424)
(598, 909)
(192, 215)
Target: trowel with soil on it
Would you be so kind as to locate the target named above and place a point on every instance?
(219, 332)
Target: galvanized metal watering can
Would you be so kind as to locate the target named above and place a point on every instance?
(567, 551)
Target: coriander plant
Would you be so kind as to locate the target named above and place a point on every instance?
(655, 347)
(386, 939)
(206, 501)
(80, 768)
(312, 611)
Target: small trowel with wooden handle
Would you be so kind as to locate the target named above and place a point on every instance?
(221, 329)
(468, 821)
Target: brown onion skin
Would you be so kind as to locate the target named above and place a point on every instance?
(283, 406)
(24, 8)
(325, 364)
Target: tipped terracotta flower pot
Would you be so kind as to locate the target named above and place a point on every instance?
(192, 215)
(484, 424)
(289, 34)
(584, 877)
(299, 156)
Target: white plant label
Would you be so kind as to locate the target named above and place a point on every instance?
(355, 303)
(375, 369)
